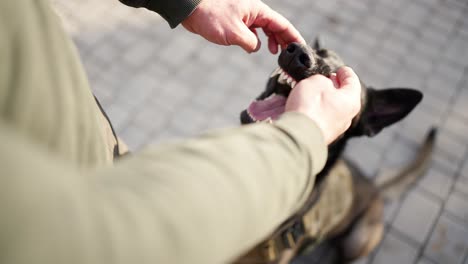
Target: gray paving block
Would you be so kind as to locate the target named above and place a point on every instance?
(387, 9)
(451, 74)
(434, 105)
(172, 94)
(464, 170)
(417, 216)
(390, 211)
(413, 15)
(448, 243)
(449, 11)
(419, 63)
(457, 204)
(407, 77)
(460, 108)
(189, 121)
(399, 154)
(134, 137)
(462, 185)
(437, 183)
(366, 157)
(450, 145)
(456, 50)
(441, 86)
(139, 53)
(376, 24)
(151, 117)
(178, 52)
(457, 126)
(445, 164)
(425, 261)
(395, 250)
(118, 115)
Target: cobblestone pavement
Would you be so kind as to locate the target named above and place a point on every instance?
(159, 84)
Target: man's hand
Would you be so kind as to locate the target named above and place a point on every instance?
(331, 103)
(234, 22)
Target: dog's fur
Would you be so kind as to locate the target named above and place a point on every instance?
(362, 229)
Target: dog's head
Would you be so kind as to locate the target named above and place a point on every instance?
(379, 108)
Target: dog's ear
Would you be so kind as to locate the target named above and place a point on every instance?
(317, 44)
(386, 107)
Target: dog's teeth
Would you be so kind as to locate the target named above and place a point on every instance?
(275, 72)
(293, 84)
(282, 78)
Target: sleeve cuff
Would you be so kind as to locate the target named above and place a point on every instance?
(173, 11)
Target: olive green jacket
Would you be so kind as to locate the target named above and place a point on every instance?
(62, 200)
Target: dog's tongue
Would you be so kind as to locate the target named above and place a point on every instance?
(271, 107)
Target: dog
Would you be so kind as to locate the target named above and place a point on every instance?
(343, 218)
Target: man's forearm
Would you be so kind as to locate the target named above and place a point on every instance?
(173, 11)
(203, 201)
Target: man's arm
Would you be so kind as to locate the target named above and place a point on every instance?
(203, 201)
(227, 22)
(173, 11)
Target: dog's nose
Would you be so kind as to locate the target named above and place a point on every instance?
(298, 56)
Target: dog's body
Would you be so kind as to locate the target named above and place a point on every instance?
(343, 218)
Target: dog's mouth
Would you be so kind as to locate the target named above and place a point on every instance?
(296, 63)
(273, 105)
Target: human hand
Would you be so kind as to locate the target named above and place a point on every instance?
(234, 22)
(330, 102)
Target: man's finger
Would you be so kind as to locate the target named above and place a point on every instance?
(245, 38)
(279, 26)
(349, 81)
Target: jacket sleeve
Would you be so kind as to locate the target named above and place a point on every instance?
(173, 11)
(205, 200)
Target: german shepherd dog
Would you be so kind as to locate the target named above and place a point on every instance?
(343, 218)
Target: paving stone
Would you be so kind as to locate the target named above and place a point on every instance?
(172, 95)
(395, 250)
(189, 121)
(460, 107)
(448, 243)
(462, 185)
(456, 126)
(437, 183)
(448, 144)
(457, 205)
(368, 160)
(139, 53)
(464, 171)
(118, 115)
(390, 211)
(399, 154)
(434, 105)
(134, 137)
(417, 216)
(151, 117)
(419, 63)
(425, 261)
(413, 15)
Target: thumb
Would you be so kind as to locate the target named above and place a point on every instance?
(246, 38)
(347, 78)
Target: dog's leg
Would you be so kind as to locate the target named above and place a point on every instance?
(365, 233)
